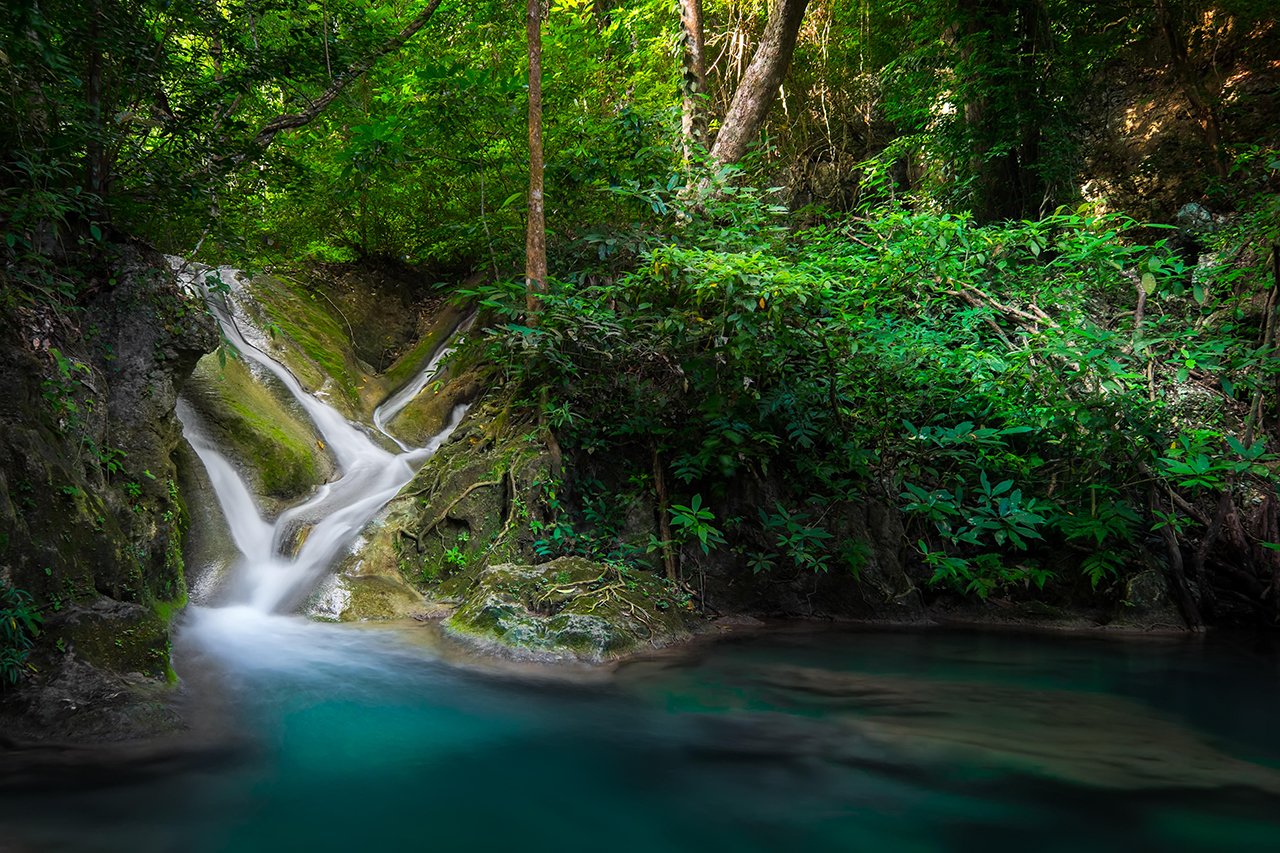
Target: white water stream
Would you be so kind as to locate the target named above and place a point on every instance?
(267, 579)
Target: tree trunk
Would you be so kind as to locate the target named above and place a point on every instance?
(760, 83)
(1005, 50)
(95, 168)
(693, 84)
(535, 276)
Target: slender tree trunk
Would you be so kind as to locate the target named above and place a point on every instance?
(693, 84)
(535, 277)
(95, 168)
(759, 86)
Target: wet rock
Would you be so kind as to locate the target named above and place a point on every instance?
(115, 635)
(361, 598)
(266, 434)
(1147, 603)
(569, 608)
(72, 700)
(91, 502)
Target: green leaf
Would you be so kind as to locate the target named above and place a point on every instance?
(1148, 283)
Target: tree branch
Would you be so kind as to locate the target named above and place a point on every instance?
(290, 121)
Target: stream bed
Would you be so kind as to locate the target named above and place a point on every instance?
(315, 736)
(351, 738)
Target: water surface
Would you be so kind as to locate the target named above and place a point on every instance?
(376, 739)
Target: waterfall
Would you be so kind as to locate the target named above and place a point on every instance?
(394, 404)
(266, 578)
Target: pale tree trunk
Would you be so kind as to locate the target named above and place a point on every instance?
(759, 86)
(535, 276)
(693, 84)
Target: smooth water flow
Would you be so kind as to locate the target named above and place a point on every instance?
(395, 404)
(343, 737)
(268, 578)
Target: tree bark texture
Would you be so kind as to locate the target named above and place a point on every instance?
(759, 86)
(535, 277)
(693, 83)
(1000, 43)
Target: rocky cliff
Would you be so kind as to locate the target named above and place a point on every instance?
(91, 517)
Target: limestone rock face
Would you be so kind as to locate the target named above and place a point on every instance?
(90, 512)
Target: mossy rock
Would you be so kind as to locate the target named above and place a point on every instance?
(271, 441)
(1148, 604)
(115, 636)
(365, 598)
(314, 344)
(432, 337)
(369, 585)
(429, 413)
(569, 608)
(381, 304)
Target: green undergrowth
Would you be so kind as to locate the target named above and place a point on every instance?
(999, 384)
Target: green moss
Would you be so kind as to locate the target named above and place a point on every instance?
(279, 449)
(166, 611)
(416, 358)
(377, 597)
(116, 636)
(317, 347)
(429, 412)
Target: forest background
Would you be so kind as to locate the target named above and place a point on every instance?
(1003, 266)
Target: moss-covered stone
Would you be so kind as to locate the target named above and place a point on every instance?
(1147, 604)
(429, 413)
(116, 636)
(433, 335)
(379, 597)
(275, 446)
(87, 432)
(569, 608)
(307, 337)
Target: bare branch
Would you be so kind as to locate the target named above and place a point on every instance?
(289, 121)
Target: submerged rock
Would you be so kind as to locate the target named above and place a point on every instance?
(1084, 738)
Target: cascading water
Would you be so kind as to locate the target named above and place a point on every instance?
(267, 580)
(395, 404)
(984, 740)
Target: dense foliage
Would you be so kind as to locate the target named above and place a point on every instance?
(995, 382)
(947, 300)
